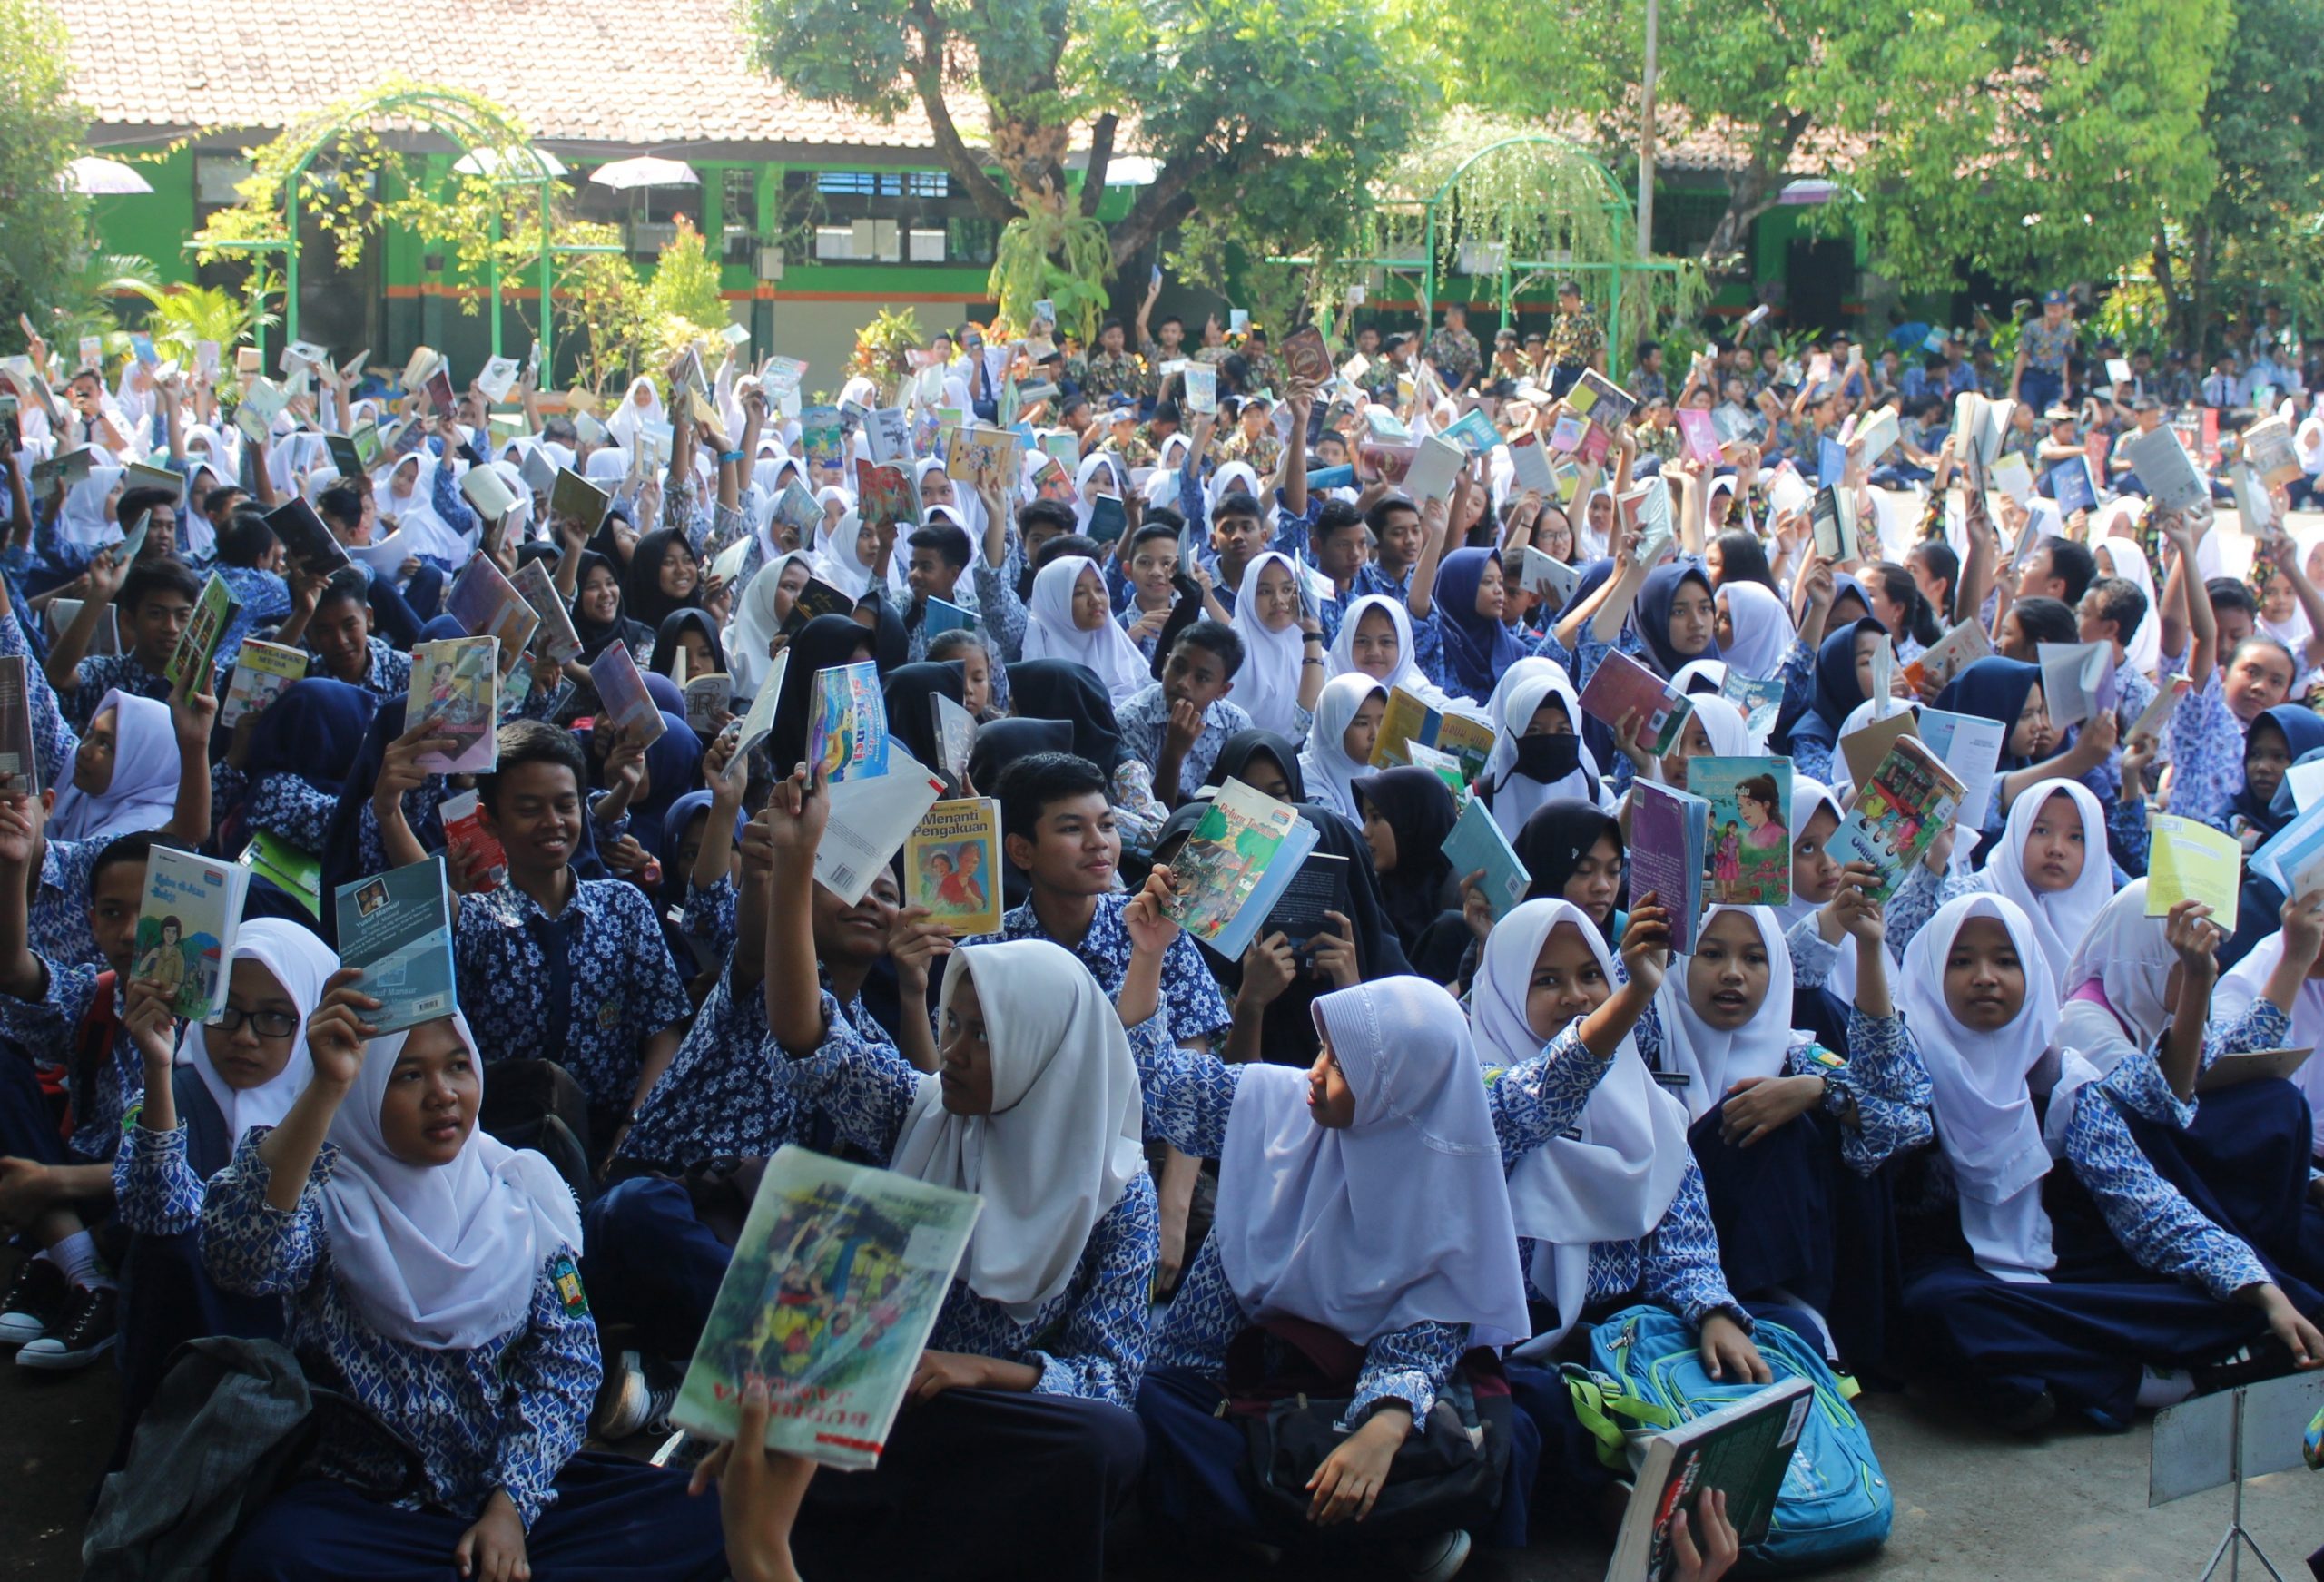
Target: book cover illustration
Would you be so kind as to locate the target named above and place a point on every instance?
(185, 929)
(829, 1298)
(486, 604)
(1761, 699)
(1949, 655)
(262, 672)
(622, 692)
(396, 929)
(1621, 686)
(464, 832)
(1898, 814)
(1746, 1450)
(952, 862)
(196, 654)
(1749, 847)
(847, 731)
(455, 689)
(1243, 852)
(555, 638)
(823, 436)
(985, 460)
(1305, 357)
(884, 496)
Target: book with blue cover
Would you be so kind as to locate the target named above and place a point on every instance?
(847, 725)
(1477, 843)
(396, 927)
(943, 615)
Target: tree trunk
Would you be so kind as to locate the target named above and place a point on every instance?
(2199, 270)
(1754, 189)
(2174, 311)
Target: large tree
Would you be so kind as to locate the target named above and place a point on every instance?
(1276, 114)
(46, 234)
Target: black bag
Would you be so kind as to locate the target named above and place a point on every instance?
(1448, 1475)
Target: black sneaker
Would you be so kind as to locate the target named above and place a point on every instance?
(37, 1294)
(637, 1399)
(90, 1324)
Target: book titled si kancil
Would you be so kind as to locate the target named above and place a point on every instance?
(1241, 858)
(396, 927)
(828, 1300)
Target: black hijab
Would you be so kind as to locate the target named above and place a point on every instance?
(1059, 689)
(1418, 806)
(890, 643)
(595, 636)
(822, 644)
(1001, 742)
(666, 642)
(1554, 840)
(642, 597)
(911, 717)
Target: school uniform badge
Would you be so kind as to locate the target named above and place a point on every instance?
(568, 1281)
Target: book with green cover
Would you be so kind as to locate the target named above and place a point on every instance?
(1477, 844)
(396, 927)
(828, 1300)
(196, 654)
(298, 873)
(1742, 1450)
(1749, 847)
(1240, 858)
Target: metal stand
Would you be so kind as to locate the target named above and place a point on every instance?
(2231, 1547)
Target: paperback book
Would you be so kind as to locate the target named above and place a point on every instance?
(1303, 912)
(296, 873)
(196, 655)
(1898, 814)
(828, 1301)
(576, 500)
(396, 929)
(105, 638)
(1667, 827)
(984, 459)
(955, 737)
(870, 818)
(1407, 720)
(1237, 862)
(952, 862)
(555, 638)
(486, 604)
(465, 833)
(1750, 847)
(1743, 1451)
(1760, 699)
(1949, 655)
(262, 672)
(1477, 845)
(455, 691)
(847, 725)
(1621, 686)
(622, 692)
(885, 497)
(2077, 680)
(710, 699)
(1549, 577)
(19, 754)
(2192, 861)
(1971, 746)
(185, 929)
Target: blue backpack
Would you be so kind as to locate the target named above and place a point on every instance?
(1645, 1373)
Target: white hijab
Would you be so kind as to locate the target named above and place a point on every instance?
(1095, 471)
(755, 625)
(1065, 1133)
(1407, 675)
(143, 791)
(1978, 1087)
(2127, 954)
(1613, 1181)
(627, 420)
(2144, 652)
(1806, 796)
(444, 1257)
(81, 521)
(1106, 654)
(967, 505)
(424, 531)
(1223, 482)
(1514, 795)
(1267, 686)
(1398, 1218)
(1764, 634)
(2242, 987)
(300, 963)
(1715, 1061)
(1324, 766)
(2060, 917)
(835, 555)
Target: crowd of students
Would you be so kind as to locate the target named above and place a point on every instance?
(1406, 1167)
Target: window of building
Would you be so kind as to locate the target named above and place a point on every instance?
(738, 193)
(889, 217)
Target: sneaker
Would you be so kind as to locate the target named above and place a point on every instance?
(35, 1298)
(89, 1325)
(633, 1403)
(1436, 1559)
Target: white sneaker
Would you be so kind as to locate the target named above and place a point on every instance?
(1438, 1558)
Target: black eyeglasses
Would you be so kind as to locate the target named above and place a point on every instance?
(266, 1024)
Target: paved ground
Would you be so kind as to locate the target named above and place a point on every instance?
(1971, 1506)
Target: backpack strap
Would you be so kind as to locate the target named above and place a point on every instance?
(1599, 1400)
(92, 1039)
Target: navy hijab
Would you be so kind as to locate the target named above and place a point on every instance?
(1653, 616)
(2303, 733)
(673, 768)
(314, 731)
(1995, 689)
(1838, 690)
(1477, 648)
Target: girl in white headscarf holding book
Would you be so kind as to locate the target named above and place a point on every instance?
(432, 1273)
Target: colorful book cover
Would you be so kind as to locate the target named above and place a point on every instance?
(396, 929)
(1467, 739)
(884, 496)
(486, 604)
(828, 1300)
(1970, 745)
(263, 672)
(1477, 843)
(796, 509)
(1241, 856)
(555, 638)
(1761, 699)
(456, 690)
(1406, 721)
(956, 738)
(1442, 765)
(2192, 861)
(952, 865)
(185, 929)
(1743, 1450)
(847, 729)
(1667, 830)
(984, 459)
(464, 832)
(1749, 846)
(298, 873)
(823, 436)
(19, 755)
(196, 654)
(1700, 435)
(1949, 655)
(1201, 389)
(1621, 686)
(1898, 814)
(622, 692)
(1305, 357)
(1474, 432)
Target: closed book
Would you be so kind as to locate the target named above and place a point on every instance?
(486, 604)
(464, 832)
(262, 672)
(1477, 844)
(709, 700)
(185, 929)
(305, 537)
(193, 663)
(577, 500)
(1304, 910)
(952, 865)
(955, 737)
(19, 754)
(297, 872)
(1621, 686)
(1749, 845)
(1740, 1451)
(555, 638)
(847, 723)
(870, 819)
(456, 692)
(943, 615)
(622, 692)
(396, 927)
(1667, 828)
(1896, 815)
(1241, 856)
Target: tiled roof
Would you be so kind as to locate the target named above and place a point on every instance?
(661, 76)
(1685, 142)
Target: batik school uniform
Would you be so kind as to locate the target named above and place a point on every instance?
(54, 740)
(2060, 918)
(109, 672)
(2206, 754)
(1804, 1210)
(585, 989)
(446, 1302)
(74, 1029)
(1606, 1201)
(2014, 1287)
(1190, 995)
(1823, 971)
(992, 1483)
(1815, 723)
(160, 1178)
(1365, 1260)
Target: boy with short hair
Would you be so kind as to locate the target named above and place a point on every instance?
(154, 600)
(941, 552)
(1153, 584)
(331, 616)
(1177, 724)
(554, 967)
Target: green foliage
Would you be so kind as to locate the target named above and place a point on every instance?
(1060, 257)
(181, 315)
(682, 294)
(882, 350)
(46, 233)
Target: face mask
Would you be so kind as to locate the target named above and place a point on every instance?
(1547, 759)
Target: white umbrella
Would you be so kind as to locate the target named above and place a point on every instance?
(644, 170)
(96, 176)
(521, 163)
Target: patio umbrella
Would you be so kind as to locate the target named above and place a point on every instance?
(644, 170)
(96, 176)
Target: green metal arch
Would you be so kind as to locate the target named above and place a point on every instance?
(1613, 200)
(455, 118)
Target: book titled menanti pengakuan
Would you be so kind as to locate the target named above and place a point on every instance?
(828, 1301)
(396, 927)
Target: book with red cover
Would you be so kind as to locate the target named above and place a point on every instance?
(1621, 685)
